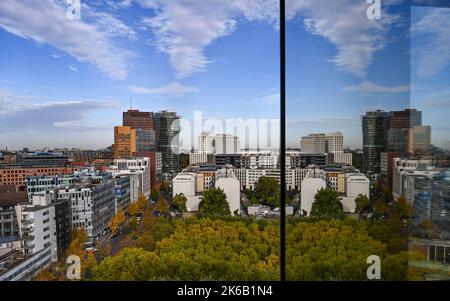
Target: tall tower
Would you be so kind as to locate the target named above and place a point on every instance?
(167, 140)
(374, 128)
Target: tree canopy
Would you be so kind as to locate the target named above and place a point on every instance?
(267, 191)
(214, 202)
(327, 204)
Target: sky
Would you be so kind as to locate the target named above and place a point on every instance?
(65, 82)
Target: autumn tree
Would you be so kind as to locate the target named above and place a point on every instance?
(327, 204)
(142, 202)
(133, 209)
(164, 186)
(154, 194)
(214, 202)
(162, 206)
(179, 202)
(117, 220)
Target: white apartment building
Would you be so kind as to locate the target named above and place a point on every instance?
(37, 226)
(136, 166)
(227, 181)
(198, 157)
(205, 143)
(192, 183)
(265, 160)
(355, 184)
(218, 144)
(314, 181)
(342, 157)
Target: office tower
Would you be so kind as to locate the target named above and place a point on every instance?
(226, 144)
(124, 142)
(406, 119)
(313, 144)
(144, 125)
(374, 128)
(419, 139)
(398, 134)
(205, 143)
(167, 140)
(331, 143)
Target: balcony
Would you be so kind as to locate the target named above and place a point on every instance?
(28, 246)
(27, 221)
(28, 237)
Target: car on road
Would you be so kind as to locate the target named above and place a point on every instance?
(277, 209)
(91, 250)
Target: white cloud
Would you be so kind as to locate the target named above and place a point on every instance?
(368, 87)
(72, 68)
(46, 22)
(345, 24)
(183, 29)
(16, 116)
(433, 54)
(173, 89)
(272, 99)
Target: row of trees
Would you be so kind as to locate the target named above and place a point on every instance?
(245, 249)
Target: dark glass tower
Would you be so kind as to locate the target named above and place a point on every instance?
(167, 130)
(374, 127)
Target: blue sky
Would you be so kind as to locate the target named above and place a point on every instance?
(65, 82)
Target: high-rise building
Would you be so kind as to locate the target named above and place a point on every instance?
(226, 144)
(144, 124)
(331, 143)
(405, 119)
(167, 140)
(419, 139)
(374, 128)
(124, 142)
(205, 143)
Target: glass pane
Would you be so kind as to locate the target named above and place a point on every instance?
(349, 125)
(151, 127)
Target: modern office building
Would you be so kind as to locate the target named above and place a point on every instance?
(144, 125)
(167, 140)
(198, 158)
(139, 167)
(228, 159)
(374, 129)
(124, 142)
(226, 144)
(42, 159)
(206, 143)
(93, 202)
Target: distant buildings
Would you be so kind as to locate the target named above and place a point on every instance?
(332, 144)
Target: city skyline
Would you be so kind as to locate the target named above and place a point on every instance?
(72, 96)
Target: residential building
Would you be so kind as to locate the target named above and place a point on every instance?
(134, 166)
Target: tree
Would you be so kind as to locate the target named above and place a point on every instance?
(214, 202)
(146, 242)
(327, 204)
(154, 194)
(162, 206)
(164, 186)
(179, 202)
(133, 224)
(133, 209)
(267, 191)
(362, 205)
(142, 202)
(117, 220)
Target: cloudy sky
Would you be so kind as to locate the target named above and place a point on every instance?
(65, 82)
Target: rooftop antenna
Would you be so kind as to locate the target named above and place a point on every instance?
(131, 103)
